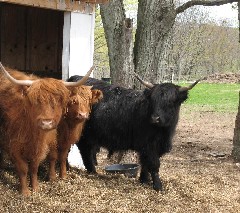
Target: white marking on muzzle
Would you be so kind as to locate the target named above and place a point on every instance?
(83, 115)
(47, 124)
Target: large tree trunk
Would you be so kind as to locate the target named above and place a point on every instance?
(154, 22)
(236, 138)
(118, 33)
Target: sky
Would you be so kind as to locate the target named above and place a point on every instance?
(218, 13)
(224, 11)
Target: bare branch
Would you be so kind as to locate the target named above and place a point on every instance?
(191, 3)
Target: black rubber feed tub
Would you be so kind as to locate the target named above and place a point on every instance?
(129, 169)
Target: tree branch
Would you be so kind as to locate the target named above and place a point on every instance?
(191, 3)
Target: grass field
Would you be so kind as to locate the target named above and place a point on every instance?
(214, 97)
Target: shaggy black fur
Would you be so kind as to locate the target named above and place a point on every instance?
(127, 119)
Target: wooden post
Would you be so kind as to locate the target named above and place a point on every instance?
(236, 137)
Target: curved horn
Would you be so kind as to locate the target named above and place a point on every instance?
(81, 81)
(145, 83)
(13, 80)
(182, 89)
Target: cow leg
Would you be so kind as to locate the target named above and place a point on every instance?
(52, 157)
(87, 152)
(144, 175)
(22, 170)
(1, 160)
(95, 150)
(33, 172)
(154, 171)
(63, 161)
(150, 163)
(157, 184)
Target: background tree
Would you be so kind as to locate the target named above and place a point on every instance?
(236, 138)
(101, 60)
(155, 20)
(201, 47)
(118, 32)
(144, 55)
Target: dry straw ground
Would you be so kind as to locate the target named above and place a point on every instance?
(199, 176)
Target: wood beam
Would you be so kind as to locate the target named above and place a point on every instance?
(94, 1)
(63, 5)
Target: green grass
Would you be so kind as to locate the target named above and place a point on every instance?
(214, 97)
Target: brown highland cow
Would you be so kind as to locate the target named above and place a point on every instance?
(71, 125)
(30, 110)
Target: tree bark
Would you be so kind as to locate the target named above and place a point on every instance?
(154, 22)
(118, 33)
(236, 137)
(239, 20)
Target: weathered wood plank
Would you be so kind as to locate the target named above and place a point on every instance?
(43, 40)
(64, 5)
(13, 36)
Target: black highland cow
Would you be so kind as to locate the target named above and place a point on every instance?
(127, 119)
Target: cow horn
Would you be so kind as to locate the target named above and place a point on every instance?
(80, 82)
(182, 89)
(13, 80)
(145, 83)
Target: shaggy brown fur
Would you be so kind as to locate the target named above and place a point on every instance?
(70, 127)
(29, 117)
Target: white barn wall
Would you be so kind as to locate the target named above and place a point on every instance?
(81, 43)
(78, 43)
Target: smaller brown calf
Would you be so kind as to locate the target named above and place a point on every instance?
(72, 123)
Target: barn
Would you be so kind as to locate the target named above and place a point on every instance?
(50, 38)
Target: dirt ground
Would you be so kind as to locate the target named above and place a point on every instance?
(224, 78)
(198, 176)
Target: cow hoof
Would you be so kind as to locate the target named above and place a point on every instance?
(35, 188)
(144, 179)
(64, 177)
(158, 187)
(92, 172)
(26, 192)
(145, 182)
(52, 178)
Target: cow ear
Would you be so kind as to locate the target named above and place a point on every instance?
(147, 92)
(97, 95)
(24, 90)
(183, 95)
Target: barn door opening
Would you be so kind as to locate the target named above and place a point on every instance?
(31, 39)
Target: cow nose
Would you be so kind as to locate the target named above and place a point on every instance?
(156, 119)
(83, 115)
(47, 124)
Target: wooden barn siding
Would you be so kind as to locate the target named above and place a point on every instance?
(31, 39)
(63, 5)
(13, 32)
